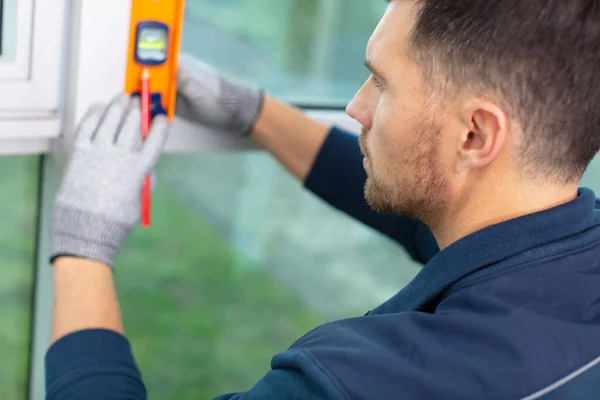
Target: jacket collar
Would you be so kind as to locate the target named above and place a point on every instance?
(492, 245)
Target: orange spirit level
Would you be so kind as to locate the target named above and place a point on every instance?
(154, 43)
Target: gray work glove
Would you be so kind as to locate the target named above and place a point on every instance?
(206, 98)
(99, 200)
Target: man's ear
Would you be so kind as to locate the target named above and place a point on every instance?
(485, 129)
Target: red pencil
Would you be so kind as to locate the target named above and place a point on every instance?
(146, 120)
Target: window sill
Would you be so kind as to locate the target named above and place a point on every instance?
(28, 134)
(187, 138)
(35, 133)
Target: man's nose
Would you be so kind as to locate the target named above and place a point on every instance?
(359, 109)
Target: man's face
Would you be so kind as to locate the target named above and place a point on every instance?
(401, 137)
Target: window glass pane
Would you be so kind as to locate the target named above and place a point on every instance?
(240, 262)
(19, 180)
(305, 51)
(8, 30)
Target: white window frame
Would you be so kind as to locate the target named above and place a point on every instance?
(30, 107)
(18, 68)
(33, 80)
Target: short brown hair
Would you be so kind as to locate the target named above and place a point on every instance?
(541, 58)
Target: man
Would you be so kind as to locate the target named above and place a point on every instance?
(479, 119)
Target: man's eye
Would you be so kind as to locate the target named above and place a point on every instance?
(376, 82)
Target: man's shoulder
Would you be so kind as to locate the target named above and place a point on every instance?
(467, 349)
(509, 330)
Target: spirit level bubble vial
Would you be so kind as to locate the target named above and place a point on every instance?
(154, 45)
(152, 39)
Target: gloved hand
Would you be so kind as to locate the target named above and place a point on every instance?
(98, 202)
(206, 98)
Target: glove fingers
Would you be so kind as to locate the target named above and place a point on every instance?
(198, 88)
(185, 78)
(89, 124)
(155, 143)
(112, 121)
(183, 108)
(130, 135)
(207, 98)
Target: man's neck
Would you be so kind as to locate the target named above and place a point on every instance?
(498, 204)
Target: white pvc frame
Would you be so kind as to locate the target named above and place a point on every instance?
(18, 68)
(33, 81)
(30, 108)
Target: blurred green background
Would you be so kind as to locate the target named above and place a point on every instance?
(19, 194)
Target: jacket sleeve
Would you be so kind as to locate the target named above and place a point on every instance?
(93, 364)
(338, 177)
(279, 384)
